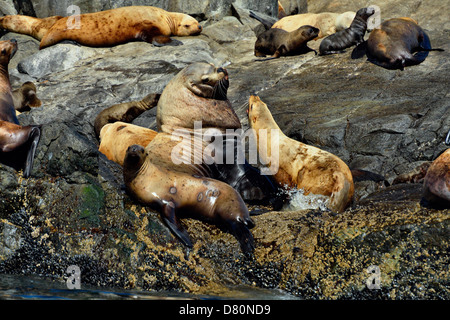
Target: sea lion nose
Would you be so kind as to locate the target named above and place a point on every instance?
(13, 41)
(200, 27)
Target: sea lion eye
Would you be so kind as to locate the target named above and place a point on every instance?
(186, 26)
(205, 80)
(4, 51)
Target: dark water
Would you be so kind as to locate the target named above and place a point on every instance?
(16, 287)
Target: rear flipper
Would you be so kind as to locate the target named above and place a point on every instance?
(35, 136)
(363, 175)
(169, 217)
(266, 21)
(423, 50)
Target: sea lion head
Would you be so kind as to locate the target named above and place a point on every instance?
(258, 112)
(365, 13)
(187, 26)
(207, 81)
(309, 32)
(133, 162)
(7, 51)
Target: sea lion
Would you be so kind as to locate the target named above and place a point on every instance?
(436, 185)
(115, 138)
(299, 165)
(396, 44)
(17, 143)
(197, 95)
(351, 36)
(327, 22)
(25, 97)
(175, 194)
(125, 112)
(278, 42)
(107, 28)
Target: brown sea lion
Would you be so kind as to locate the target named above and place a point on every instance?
(436, 184)
(125, 112)
(107, 28)
(115, 138)
(297, 165)
(26, 98)
(396, 44)
(197, 95)
(176, 194)
(17, 143)
(278, 42)
(351, 36)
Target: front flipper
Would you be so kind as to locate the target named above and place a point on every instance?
(161, 41)
(169, 217)
(360, 50)
(35, 136)
(242, 233)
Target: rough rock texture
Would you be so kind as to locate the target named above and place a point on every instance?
(74, 211)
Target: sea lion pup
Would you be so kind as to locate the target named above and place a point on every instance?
(299, 165)
(277, 42)
(25, 97)
(115, 138)
(353, 35)
(107, 28)
(396, 44)
(17, 143)
(125, 112)
(197, 96)
(175, 194)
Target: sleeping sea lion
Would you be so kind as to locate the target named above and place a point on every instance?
(396, 44)
(115, 138)
(107, 28)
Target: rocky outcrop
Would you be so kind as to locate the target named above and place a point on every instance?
(74, 211)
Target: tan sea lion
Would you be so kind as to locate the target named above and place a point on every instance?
(107, 28)
(115, 138)
(25, 97)
(396, 44)
(277, 42)
(17, 143)
(197, 95)
(125, 112)
(176, 194)
(353, 35)
(327, 22)
(436, 185)
(299, 165)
